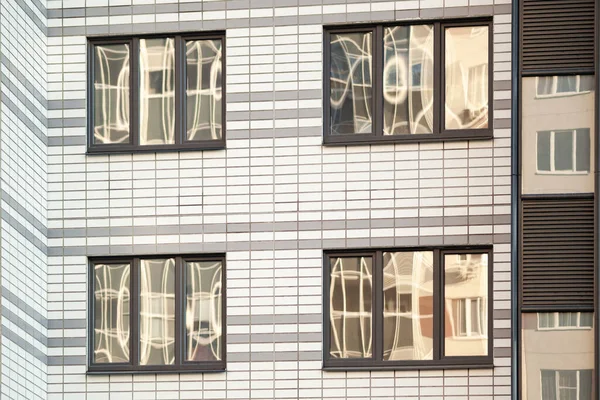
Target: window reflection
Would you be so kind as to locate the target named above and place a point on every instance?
(351, 83)
(204, 89)
(408, 306)
(157, 91)
(408, 80)
(557, 361)
(157, 311)
(111, 313)
(466, 77)
(466, 296)
(350, 307)
(203, 310)
(111, 94)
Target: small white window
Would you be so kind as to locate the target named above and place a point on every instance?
(550, 86)
(563, 151)
(565, 320)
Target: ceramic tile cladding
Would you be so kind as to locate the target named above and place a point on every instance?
(273, 200)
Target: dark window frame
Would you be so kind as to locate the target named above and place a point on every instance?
(181, 142)
(376, 362)
(180, 365)
(439, 134)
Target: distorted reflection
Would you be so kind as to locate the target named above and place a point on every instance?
(557, 356)
(466, 77)
(351, 83)
(408, 306)
(111, 313)
(466, 297)
(408, 80)
(204, 89)
(203, 317)
(351, 307)
(157, 91)
(111, 94)
(157, 311)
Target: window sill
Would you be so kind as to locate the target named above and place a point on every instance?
(408, 367)
(155, 371)
(351, 140)
(117, 149)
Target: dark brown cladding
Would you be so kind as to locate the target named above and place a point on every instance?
(557, 36)
(558, 253)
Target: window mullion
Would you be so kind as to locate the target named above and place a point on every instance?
(179, 92)
(574, 150)
(378, 319)
(552, 151)
(134, 98)
(134, 307)
(377, 80)
(438, 298)
(437, 78)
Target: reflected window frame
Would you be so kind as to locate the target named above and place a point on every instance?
(181, 141)
(556, 326)
(376, 361)
(439, 133)
(552, 155)
(180, 364)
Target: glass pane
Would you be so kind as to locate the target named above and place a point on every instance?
(204, 89)
(465, 285)
(466, 78)
(566, 319)
(157, 91)
(544, 85)
(563, 150)
(586, 83)
(546, 320)
(111, 313)
(203, 316)
(157, 311)
(350, 307)
(586, 319)
(582, 157)
(408, 306)
(566, 84)
(543, 151)
(351, 83)
(408, 80)
(111, 94)
(554, 360)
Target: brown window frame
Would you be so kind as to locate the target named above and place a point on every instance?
(376, 362)
(180, 364)
(439, 134)
(181, 142)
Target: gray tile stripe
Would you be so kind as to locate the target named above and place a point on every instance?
(23, 306)
(40, 24)
(23, 212)
(24, 118)
(32, 91)
(23, 345)
(10, 220)
(21, 323)
(279, 226)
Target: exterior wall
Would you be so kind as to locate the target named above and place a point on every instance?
(273, 200)
(23, 189)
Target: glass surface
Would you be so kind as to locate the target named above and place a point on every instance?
(408, 80)
(467, 78)
(111, 94)
(563, 150)
(351, 84)
(408, 306)
(466, 297)
(203, 316)
(586, 83)
(543, 151)
(157, 311)
(157, 91)
(350, 309)
(111, 313)
(566, 84)
(544, 85)
(557, 362)
(582, 149)
(204, 89)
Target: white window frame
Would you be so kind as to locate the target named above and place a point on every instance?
(553, 92)
(557, 373)
(557, 327)
(469, 334)
(553, 171)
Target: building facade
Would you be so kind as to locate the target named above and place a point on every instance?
(297, 199)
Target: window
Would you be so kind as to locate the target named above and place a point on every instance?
(384, 83)
(157, 93)
(565, 320)
(157, 314)
(553, 86)
(564, 151)
(406, 308)
(566, 384)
